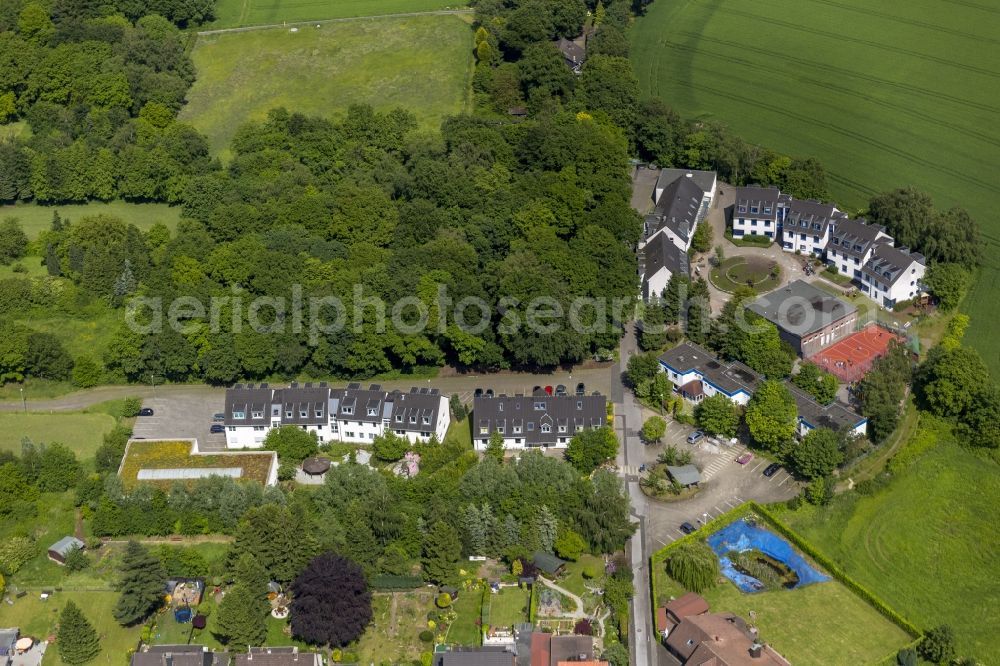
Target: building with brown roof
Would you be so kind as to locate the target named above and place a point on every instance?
(571, 650)
(719, 639)
(671, 615)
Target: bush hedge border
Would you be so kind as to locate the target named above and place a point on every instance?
(806, 547)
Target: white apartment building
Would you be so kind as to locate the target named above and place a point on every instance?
(353, 414)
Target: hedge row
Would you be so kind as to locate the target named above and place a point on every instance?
(533, 604)
(890, 659)
(390, 582)
(838, 573)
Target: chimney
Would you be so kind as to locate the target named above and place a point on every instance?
(756, 650)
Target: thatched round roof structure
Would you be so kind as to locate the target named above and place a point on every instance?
(315, 466)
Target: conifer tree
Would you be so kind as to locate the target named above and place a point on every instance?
(141, 585)
(78, 642)
(242, 617)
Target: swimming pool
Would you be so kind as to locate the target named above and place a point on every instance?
(742, 536)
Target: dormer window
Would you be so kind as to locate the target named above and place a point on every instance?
(258, 414)
(303, 413)
(483, 430)
(546, 427)
(743, 209)
(319, 413)
(562, 428)
(517, 429)
(399, 418)
(348, 410)
(579, 404)
(413, 419)
(767, 209)
(426, 420)
(753, 209)
(372, 411)
(288, 413)
(239, 415)
(499, 406)
(500, 429)
(539, 406)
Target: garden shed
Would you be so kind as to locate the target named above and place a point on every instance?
(686, 475)
(548, 564)
(61, 548)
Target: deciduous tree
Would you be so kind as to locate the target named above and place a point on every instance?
(331, 604)
(694, 566)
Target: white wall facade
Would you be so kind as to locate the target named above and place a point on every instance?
(793, 240)
(905, 288)
(745, 224)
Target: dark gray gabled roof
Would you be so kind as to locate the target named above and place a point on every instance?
(292, 402)
(888, 264)
(661, 252)
(573, 53)
(677, 209)
(800, 308)
(249, 400)
(179, 655)
(810, 217)
(761, 198)
(705, 180)
(730, 377)
(416, 411)
(686, 475)
(853, 237)
(480, 656)
(835, 416)
(8, 637)
(531, 413)
(361, 402)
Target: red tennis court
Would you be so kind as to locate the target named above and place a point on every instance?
(853, 356)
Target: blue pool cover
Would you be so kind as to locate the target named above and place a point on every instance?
(741, 536)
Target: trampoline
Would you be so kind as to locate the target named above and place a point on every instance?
(182, 615)
(742, 536)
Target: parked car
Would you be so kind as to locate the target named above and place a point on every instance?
(581, 389)
(745, 458)
(771, 469)
(219, 417)
(145, 411)
(489, 393)
(687, 527)
(548, 389)
(536, 389)
(217, 428)
(478, 393)
(561, 390)
(695, 436)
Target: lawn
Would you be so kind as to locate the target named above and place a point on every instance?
(177, 455)
(926, 544)
(80, 431)
(466, 630)
(233, 13)
(38, 619)
(506, 608)
(422, 64)
(884, 95)
(35, 219)
(742, 271)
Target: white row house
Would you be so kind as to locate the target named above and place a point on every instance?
(697, 374)
(682, 199)
(535, 421)
(352, 414)
(863, 252)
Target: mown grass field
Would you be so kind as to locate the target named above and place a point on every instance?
(39, 619)
(927, 544)
(885, 95)
(422, 64)
(236, 13)
(816, 625)
(35, 219)
(82, 432)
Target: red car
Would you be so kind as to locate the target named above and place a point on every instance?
(548, 389)
(745, 458)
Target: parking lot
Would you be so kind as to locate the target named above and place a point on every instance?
(183, 417)
(725, 483)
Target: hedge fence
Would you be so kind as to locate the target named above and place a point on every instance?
(773, 521)
(533, 603)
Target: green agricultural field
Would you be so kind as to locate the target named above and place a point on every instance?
(35, 219)
(926, 544)
(885, 95)
(82, 432)
(422, 64)
(234, 13)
